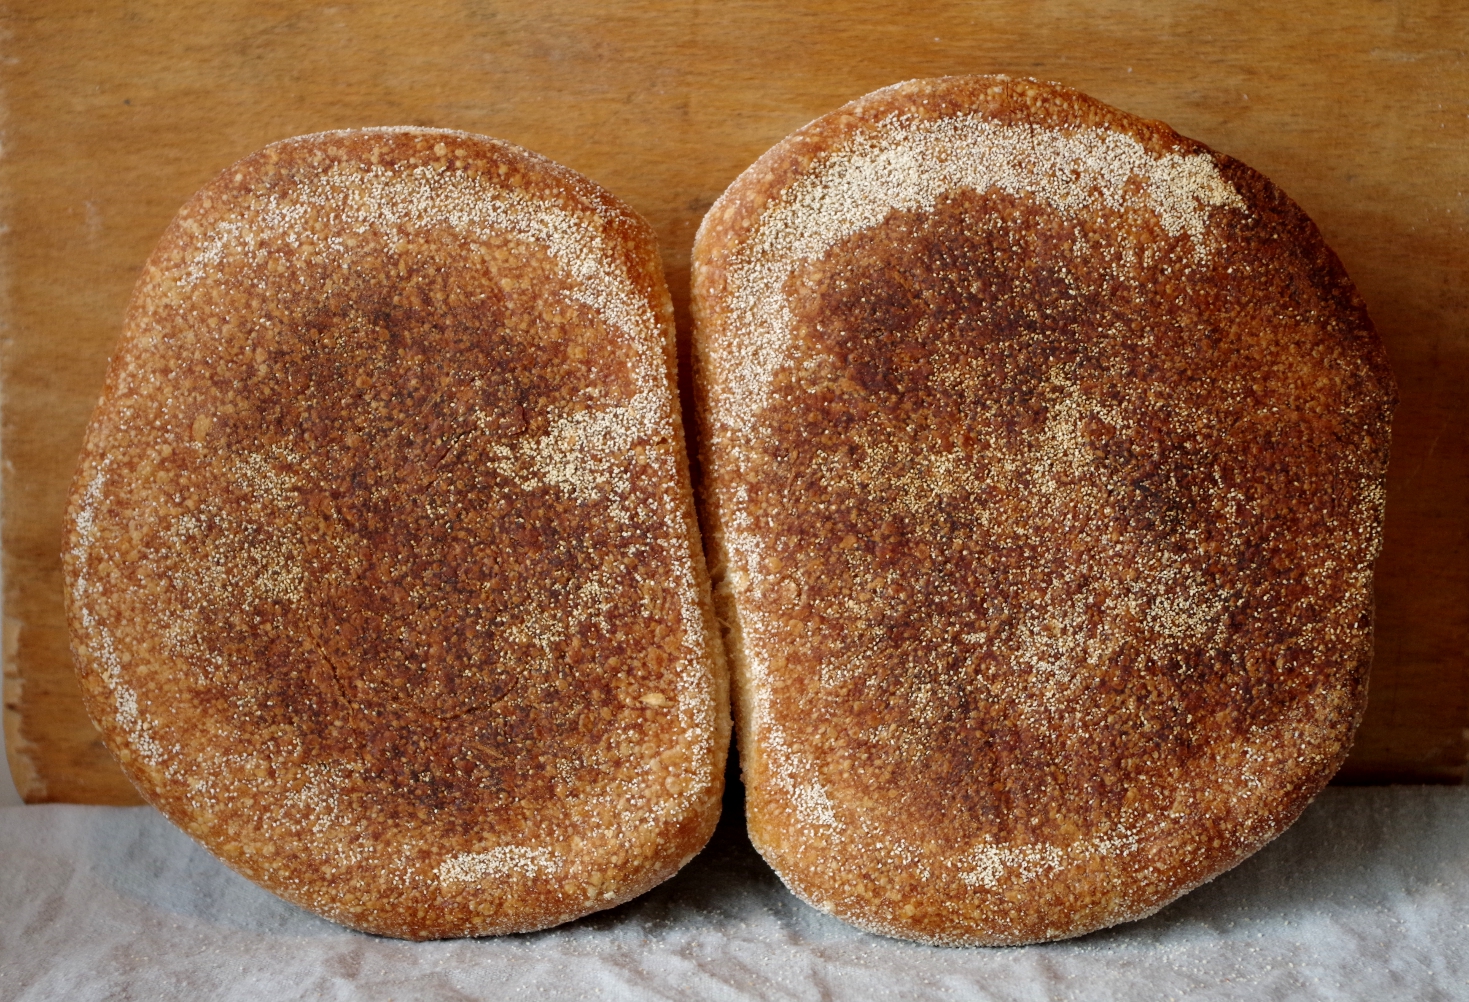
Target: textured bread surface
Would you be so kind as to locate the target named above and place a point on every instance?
(1044, 454)
(383, 575)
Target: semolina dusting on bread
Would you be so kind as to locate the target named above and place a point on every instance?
(383, 575)
(1044, 454)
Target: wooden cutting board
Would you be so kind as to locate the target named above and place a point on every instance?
(115, 113)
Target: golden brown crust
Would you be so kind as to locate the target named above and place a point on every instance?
(1043, 455)
(383, 576)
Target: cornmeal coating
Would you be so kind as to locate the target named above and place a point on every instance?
(383, 574)
(1044, 454)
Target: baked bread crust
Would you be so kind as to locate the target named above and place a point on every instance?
(1043, 457)
(383, 574)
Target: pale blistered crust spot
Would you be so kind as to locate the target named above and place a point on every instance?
(1044, 452)
(383, 575)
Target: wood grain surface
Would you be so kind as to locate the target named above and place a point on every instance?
(115, 113)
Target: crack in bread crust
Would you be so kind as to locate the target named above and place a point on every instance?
(1044, 455)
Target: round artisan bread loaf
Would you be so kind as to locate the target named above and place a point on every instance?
(383, 576)
(1044, 452)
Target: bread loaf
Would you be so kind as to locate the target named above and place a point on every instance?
(1044, 452)
(383, 576)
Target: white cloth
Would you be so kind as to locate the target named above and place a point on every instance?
(1367, 897)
